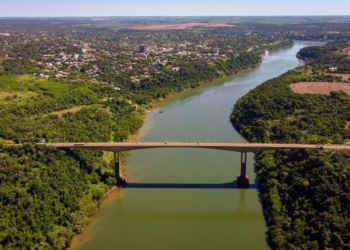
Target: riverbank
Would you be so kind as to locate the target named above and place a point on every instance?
(273, 48)
(198, 114)
(167, 115)
(90, 223)
(302, 192)
(134, 137)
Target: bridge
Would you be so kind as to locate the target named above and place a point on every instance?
(243, 148)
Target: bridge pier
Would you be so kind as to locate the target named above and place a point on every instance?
(242, 179)
(121, 182)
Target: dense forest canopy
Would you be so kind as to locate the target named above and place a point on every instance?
(84, 80)
(305, 193)
(46, 194)
(328, 58)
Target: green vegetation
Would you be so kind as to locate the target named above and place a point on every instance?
(190, 75)
(327, 57)
(305, 193)
(18, 66)
(41, 113)
(48, 194)
(80, 80)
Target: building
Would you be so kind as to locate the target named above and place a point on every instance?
(142, 49)
(216, 50)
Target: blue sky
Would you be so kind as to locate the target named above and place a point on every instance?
(49, 8)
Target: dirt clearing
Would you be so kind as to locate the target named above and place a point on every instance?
(179, 26)
(347, 51)
(324, 88)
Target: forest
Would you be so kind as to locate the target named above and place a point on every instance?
(329, 56)
(305, 193)
(48, 195)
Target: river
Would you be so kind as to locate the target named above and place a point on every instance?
(186, 198)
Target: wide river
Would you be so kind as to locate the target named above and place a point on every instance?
(186, 198)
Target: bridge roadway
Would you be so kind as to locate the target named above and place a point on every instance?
(243, 148)
(228, 146)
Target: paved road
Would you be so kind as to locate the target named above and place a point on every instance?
(237, 147)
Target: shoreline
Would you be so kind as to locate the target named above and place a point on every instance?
(104, 200)
(73, 241)
(268, 216)
(133, 137)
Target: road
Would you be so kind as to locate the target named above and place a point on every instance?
(228, 146)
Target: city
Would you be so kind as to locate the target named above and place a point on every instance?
(78, 93)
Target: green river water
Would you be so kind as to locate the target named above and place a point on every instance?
(186, 198)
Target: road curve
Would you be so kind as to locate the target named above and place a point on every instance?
(237, 147)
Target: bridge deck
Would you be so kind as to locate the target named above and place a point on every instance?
(237, 147)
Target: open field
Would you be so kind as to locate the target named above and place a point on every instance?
(179, 26)
(112, 25)
(65, 111)
(15, 97)
(347, 51)
(320, 87)
(74, 110)
(30, 83)
(23, 94)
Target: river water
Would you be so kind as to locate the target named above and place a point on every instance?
(187, 198)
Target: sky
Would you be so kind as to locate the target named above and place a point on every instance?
(58, 8)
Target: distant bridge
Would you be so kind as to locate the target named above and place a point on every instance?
(229, 146)
(243, 148)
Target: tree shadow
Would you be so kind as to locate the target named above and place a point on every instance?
(256, 182)
(229, 185)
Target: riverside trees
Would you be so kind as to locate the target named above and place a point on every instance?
(96, 77)
(46, 194)
(304, 192)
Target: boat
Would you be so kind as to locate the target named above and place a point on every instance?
(160, 111)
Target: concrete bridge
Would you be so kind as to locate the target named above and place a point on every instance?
(228, 146)
(243, 148)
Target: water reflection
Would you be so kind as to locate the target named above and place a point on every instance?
(157, 211)
(229, 185)
(240, 213)
(242, 200)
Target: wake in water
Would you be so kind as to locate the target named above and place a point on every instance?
(268, 61)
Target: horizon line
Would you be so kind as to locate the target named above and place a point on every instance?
(311, 15)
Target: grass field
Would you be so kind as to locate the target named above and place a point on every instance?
(12, 84)
(16, 97)
(18, 90)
